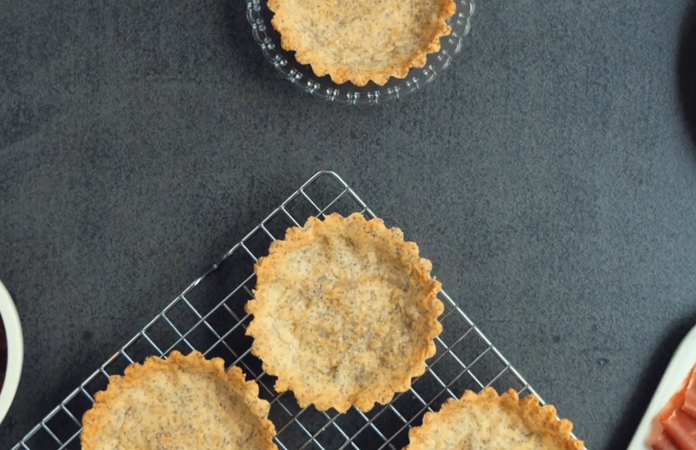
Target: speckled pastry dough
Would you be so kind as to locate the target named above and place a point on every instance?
(492, 422)
(362, 40)
(345, 312)
(182, 403)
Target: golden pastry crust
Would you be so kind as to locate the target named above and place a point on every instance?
(181, 403)
(345, 312)
(495, 423)
(362, 40)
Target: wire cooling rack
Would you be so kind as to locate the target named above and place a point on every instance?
(209, 316)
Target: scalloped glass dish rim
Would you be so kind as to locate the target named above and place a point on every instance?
(302, 76)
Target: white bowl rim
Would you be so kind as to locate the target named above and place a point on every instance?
(15, 350)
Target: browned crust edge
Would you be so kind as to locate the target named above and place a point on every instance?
(400, 382)
(96, 418)
(539, 419)
(289, 42)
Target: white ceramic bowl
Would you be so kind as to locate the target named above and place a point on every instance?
(15, 350)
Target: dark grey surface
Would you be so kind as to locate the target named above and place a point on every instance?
(549, 175)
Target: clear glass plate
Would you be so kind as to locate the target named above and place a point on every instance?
(267, 37)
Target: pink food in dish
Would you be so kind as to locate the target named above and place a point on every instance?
(689, 406)
(681, 428)
(663, 442)
(675, 426)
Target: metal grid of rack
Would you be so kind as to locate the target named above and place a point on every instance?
(209, 316)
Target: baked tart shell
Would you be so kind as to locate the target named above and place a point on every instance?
(345, 313)
(494, 422)
(213, 408)
(356, 41)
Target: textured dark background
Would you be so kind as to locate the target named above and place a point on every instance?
(549, 175)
